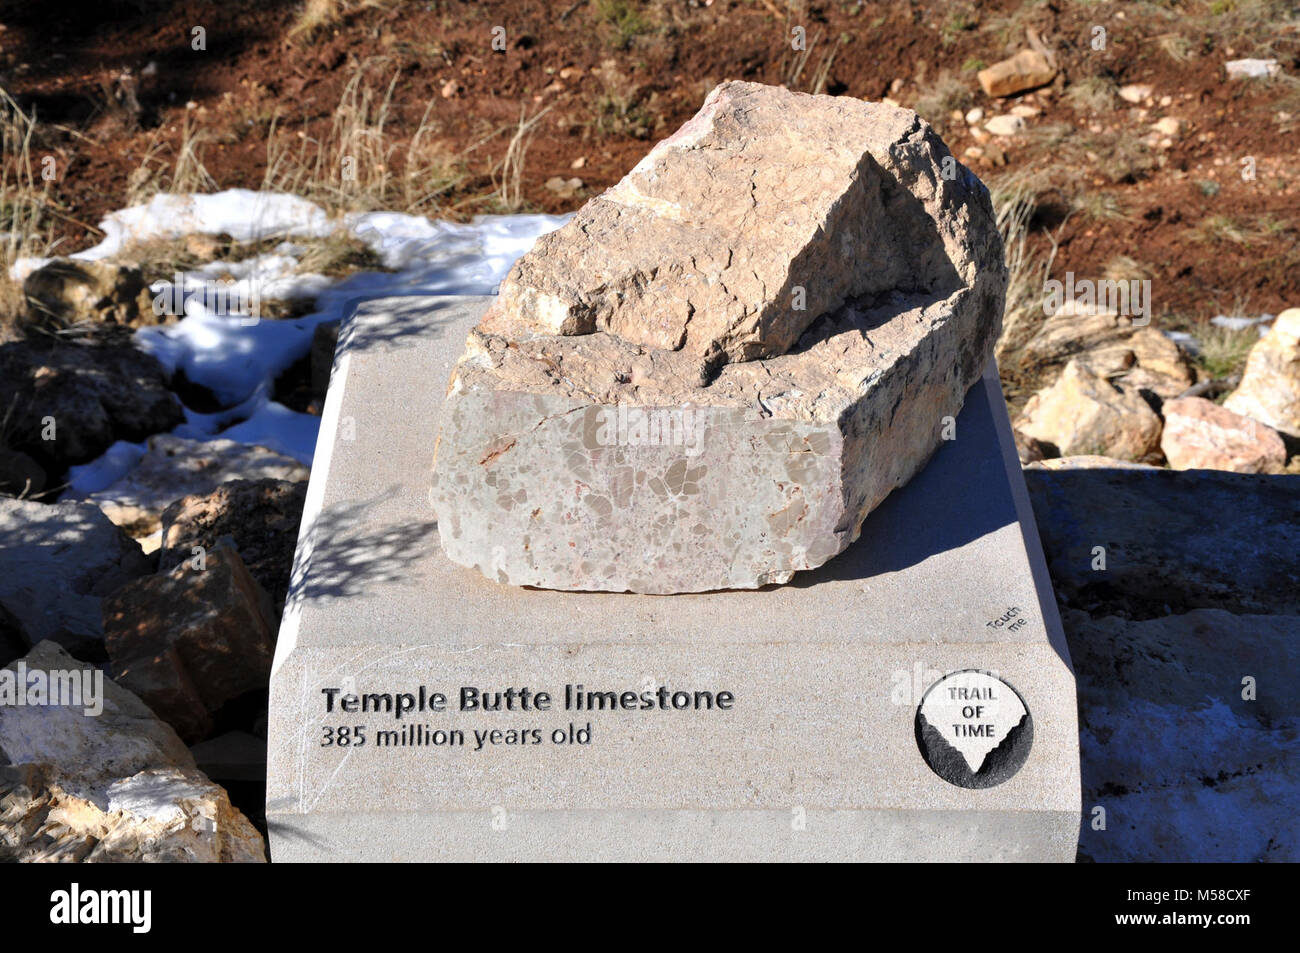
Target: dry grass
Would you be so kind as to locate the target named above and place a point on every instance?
(1015, 200)
(1125, 268)
(357, 165)
(619, 106)
(508, 176)
(1119, 156)
(1092, 94)
(1101, 206)
(317, 16)
(794, 69)
(945, 95)
(178, 170)
(821, 76)
(622, 21)
(26, 211)
(1240, 230)
(1223, 352)
(1177, 47)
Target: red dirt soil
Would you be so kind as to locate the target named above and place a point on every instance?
(1209, 240)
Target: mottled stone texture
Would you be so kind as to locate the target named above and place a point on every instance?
(606, 429)
(703, 245)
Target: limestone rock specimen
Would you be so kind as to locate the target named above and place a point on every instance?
(646, 408)
(763, 212)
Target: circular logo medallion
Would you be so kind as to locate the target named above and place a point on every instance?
(974, 730)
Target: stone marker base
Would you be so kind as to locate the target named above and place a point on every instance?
(422, 712)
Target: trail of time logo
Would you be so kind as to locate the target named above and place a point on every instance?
(974, 730)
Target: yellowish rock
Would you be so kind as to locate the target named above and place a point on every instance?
(1028, 69)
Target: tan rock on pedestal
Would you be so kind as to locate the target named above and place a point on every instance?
(606, 430)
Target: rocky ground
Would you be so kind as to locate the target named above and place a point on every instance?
(152, 469)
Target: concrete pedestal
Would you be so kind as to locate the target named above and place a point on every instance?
(778, 724)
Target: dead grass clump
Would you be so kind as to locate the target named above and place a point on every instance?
(620, 108)
(946, 95)
(508, 175)
(357, 165)
(1092, 94)
(1222, 351)
(317, 16)
(1016, 197)
(26, 211)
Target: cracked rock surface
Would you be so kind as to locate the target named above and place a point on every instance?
(643, 409)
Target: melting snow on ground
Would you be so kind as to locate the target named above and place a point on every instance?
(238, 358)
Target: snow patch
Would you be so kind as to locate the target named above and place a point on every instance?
(237, 357)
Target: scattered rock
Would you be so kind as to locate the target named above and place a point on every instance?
(1168, 126)
(450, 89)
(1147, 361)
(118, 786)
(71, 402)
(1171, 540)
(57, 561)
(1137, 358)
(565, 188)
(1004, 126)
(1157, 352)
(174, 467)
(1270, 385)
(1071, 331)
(189, 640)
(1136, 92)
(1028, 69)
(68, 291)
(1025, 111)
(202, 247)
(1199, 434)
(1252, 68)
(1083, 413)
(578, 163)
(974, 116)
(1168, 744)
(603, 461)
(20, 475)
(262, 518)
(1087, 461)
(1154, 388)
